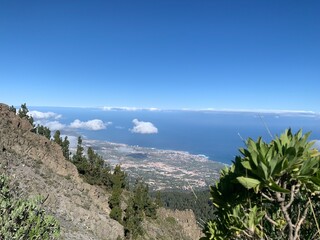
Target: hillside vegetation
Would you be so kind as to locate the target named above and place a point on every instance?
(87, 198)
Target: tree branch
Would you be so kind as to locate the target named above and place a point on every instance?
(299, 223)
(286, 214)
(270, 220)
(294, 190)
(267, 197)
(279, 198)
(314, 216)
(43, 201)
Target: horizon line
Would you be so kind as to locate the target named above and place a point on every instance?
(154, 109)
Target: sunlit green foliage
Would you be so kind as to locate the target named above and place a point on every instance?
(118, 180)
(140, 206)
(268, 192)
(13, 109)
(65, 148)
(42, 130)
(158, 201)
(57, 138)
(24, 219)
(39, 129)
(23, 113)
(64, 144)
(91, 166)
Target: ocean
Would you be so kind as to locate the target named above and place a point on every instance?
(215, 134)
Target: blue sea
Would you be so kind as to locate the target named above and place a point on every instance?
(216, 134)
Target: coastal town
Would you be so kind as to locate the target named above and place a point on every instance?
(160, 169)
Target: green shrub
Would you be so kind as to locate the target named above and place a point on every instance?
(271, 191)
(171, 220)
(24, 219)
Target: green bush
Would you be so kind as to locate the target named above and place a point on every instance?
(271, 191)
(24, 219)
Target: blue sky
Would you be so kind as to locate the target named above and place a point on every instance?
(161, 53)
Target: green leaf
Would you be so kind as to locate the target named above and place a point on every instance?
(248, 182)
(310, 166)
(315, 180)
(315, 153)
(246, 165)
(273, 163)
(254, 158)
(275, 187)
(291, 151)
(264, 170)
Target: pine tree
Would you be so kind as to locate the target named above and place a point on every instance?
(132, 221)
(106, 177)
(116, 214)
(144, 203)
(140, 205)
(78, 156)
(65, 148)
(118, 184)
(158, 200)
(13, 109)
(119, 177)
(42, 130)
(114, 204)
(57, 138)
(64, 144)
(47, 132)
(79, 159)
(23, 113)
(91, 156)
(95, 169)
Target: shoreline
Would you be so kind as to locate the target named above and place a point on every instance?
(160, 169)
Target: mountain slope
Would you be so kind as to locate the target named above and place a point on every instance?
(38, 167)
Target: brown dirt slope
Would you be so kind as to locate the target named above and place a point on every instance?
(37, 166)
(173, 225)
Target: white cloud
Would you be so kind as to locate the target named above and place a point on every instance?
(317, 144)
(73, 140)
(52, 125)
(44, 115)
(143, 127)
(95, 124)
(129, 109)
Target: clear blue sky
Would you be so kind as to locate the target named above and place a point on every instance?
(240, 54)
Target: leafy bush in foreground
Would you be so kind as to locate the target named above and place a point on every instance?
(24, 219)
(270, 192)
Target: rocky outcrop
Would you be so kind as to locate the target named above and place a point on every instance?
(186, 219)
(172, 225)
(37, 166)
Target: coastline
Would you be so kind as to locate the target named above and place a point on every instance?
(160, 169)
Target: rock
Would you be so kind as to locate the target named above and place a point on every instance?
(186, 219)
(38, 167)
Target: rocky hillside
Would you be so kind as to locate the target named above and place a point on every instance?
(37, 166)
